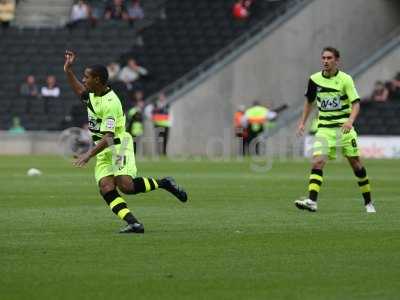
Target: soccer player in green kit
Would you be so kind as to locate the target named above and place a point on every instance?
(338, 104)
(115, 159)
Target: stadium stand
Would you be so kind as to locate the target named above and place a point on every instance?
(180, 38)
(39, 13)
(192, 32)
(381, 118)
(39, 51)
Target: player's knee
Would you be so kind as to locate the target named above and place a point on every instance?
(106, 186)
(318, 164)
(125, 186)
(356, 165)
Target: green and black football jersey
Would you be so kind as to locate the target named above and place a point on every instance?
(334, 95)
(105, 114)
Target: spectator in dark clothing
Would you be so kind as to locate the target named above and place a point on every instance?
(380, 92)
(137, 96)
(240, 131)
(394, 89)
(116, 10)
(29, 87)
(135, 12)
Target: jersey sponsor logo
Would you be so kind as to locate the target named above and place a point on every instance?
(93, 124)
(110, 123)
(332, 103)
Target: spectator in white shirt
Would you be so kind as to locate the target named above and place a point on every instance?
(51, 90)
(80, 12)
(131, 72)
(113, 69)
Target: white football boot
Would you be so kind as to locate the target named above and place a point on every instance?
(307, 204)
(370, 208)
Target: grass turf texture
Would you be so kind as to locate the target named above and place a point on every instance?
(238, 237)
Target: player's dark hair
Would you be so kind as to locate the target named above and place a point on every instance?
(333, 50)
(101, 72)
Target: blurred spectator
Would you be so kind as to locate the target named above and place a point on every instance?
(163, 14)
(16, 127)
(131, 72)
(137, 96)
(80, 12)
(51, 90)
(277, 111)
(7, 12)
(113, 69)
(380, 92)
(135, 119)
(240, 9)
(395, 87)
(240, 131)
(116, 10)
(162, 121)
(135, 12)
(83, 141)
(255, 120)
(29, 87)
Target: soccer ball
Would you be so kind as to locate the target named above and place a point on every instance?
(33, 172)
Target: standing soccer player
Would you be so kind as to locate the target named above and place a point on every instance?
(115, 160)
(338, 104)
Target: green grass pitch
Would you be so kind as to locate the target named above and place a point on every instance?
(238, 237)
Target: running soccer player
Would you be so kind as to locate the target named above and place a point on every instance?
(338, 104)
(115, 160)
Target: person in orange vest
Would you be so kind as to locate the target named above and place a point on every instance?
(255, 118)
(162, 122)
(240, 131)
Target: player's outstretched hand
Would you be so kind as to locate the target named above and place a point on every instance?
(300, 129)
(82, 160)
(69, 59)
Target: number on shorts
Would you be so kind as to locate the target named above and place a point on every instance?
(120, 161)
(354, 143)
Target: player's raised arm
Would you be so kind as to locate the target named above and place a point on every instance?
(75, 84)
